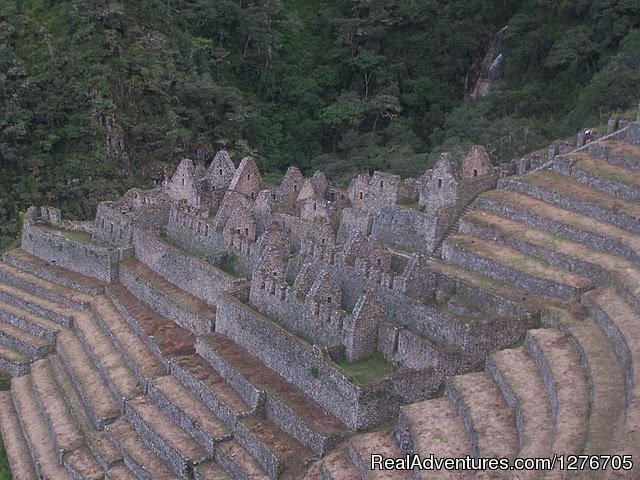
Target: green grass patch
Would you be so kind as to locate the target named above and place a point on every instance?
(5, 381)
(367, 369)
(5, 471)
(82, 237)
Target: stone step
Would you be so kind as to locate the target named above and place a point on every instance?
(210, 470)
(207, 384)
(120, 472)
(22, 341)
(46, 459)
(617, 152)
(597, 234)
(600, 174)
(362, 447)
(166, 438)
(140, 359)
(567, 192)
(563, 253)
(166, 298)
(53, 273)
(511, 266)
(103, 450)
(254, 381)
(15, 444)
(162, 336)
(519, 381)
(139, 458)
(338, 465)
(566, 385)
(40, 287)
(279, 455)
(487, 417)
(65, 434)
(433, 427)
(94, 392)
(13, 362)
(238, 463)
(188, 411)
(605, 380)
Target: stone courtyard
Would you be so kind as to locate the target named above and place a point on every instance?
(219, 327)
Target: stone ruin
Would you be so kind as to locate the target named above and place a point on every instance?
(220, 327)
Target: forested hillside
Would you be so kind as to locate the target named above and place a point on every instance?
(97, 96)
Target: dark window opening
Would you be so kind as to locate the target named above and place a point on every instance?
(361, 195)
(329, 299)
(439, 183)
(220, 171)
(381, 183)
(475, 172)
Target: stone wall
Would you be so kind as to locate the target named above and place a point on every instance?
(88, 259)
(192, 274)
(357, 406)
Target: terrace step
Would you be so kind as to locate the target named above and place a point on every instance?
(210, 470)
(617, 152)
(488, 419)
(56, 314)
(13, 362)
(14, 441)
(188, 411)
(600, 174)
(95, 394)
(120, 472)
(433, 427)
(18, 339)
(29, 322)
(66, 436)
(362, 447)
(511, 266)
(566, 385)
(45, 459)
(162, 336)
(338, 465)
(140, 359)
(238, 463)
(139, 458)
(166, 438)
(53, 273)
(110, 363)
(250, 377)
(197, 375)
(566, 192)
(519, 380)
(40, 287)
(279, 455)
(103, 450)
(597, 234)
(166, 298)
(605, 380)
(558, 251)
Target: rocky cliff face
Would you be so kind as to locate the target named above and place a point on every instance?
(484, 73)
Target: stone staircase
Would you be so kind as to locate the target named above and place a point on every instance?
(105, 387)
(565, 243)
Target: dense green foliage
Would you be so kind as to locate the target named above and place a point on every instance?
(342, 85)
